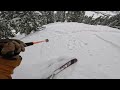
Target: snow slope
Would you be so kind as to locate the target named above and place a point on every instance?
(97, 49)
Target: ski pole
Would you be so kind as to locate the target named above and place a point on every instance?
(32, 43)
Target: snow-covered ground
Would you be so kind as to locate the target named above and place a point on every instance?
(97, 49)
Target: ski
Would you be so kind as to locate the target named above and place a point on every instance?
(63, 67)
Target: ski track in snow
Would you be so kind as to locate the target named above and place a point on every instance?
(98, 53)
(113, 44)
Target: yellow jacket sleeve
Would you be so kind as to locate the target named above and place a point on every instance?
(7, 67)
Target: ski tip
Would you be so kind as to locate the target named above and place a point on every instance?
(74, 60)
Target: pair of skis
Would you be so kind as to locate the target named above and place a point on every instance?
(63, 67)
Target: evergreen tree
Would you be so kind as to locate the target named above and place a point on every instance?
(50, 17)
(75, 16)
(60, 16)
(47, 17)
(21, 21)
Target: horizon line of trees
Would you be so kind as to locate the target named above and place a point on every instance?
(30, 21)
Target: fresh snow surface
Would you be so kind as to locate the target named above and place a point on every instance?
(97, 49)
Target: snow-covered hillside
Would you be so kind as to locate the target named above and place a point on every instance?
(97, 49)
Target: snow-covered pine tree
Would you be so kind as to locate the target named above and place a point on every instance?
(20, 21)
(60, 16)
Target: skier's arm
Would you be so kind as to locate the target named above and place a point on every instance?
(9, 56)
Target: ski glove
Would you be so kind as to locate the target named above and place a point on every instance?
(11, 48)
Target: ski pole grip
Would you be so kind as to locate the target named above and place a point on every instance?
(29, 43)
